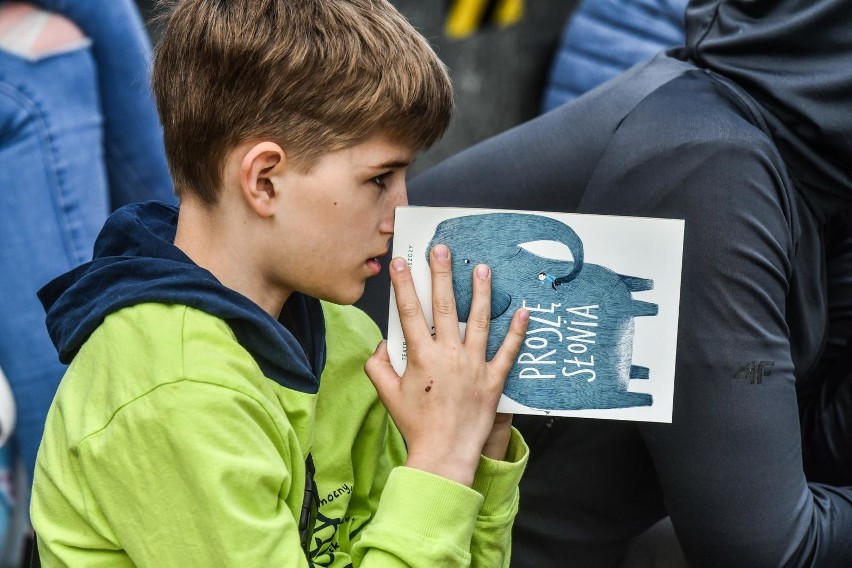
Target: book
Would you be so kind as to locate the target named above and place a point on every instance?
(603, 294)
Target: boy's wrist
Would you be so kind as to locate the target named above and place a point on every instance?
(454, 468)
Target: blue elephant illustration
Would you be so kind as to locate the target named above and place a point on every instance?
(578, 350)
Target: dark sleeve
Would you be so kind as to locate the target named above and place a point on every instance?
(730, 464)
(826, 398)
(133, 138)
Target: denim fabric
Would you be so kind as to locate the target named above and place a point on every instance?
(133, 139)
(53, 200)
(78, 137)
(604, 37)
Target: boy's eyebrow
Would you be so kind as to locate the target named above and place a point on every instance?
(392, 164)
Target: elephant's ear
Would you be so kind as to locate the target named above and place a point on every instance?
(500, 301)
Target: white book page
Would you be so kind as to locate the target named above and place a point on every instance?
(601, 344)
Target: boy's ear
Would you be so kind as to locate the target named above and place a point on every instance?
(260, 176)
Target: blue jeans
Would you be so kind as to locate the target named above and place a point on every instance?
(79, 136)
(602, 38)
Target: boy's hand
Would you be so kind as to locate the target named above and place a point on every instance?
(445, 403)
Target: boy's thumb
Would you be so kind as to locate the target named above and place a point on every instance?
(380, 371)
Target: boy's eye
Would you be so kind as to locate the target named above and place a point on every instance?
(381, 180)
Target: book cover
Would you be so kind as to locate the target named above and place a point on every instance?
(603, 294)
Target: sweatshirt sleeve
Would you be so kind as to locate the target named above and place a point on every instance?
(498, 481)
(422, 520)
(426, 520)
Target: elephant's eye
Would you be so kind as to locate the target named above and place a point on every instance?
(467, 261)
(542, 275)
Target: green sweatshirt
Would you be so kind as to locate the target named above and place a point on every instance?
(167, 446)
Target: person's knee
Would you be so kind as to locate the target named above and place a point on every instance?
(29, 31)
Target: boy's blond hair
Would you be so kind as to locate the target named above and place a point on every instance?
(312, 75)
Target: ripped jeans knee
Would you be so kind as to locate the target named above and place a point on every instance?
(33, 33)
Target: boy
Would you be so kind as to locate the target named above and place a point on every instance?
(188, 426)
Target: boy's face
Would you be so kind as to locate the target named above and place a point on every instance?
(338, 220)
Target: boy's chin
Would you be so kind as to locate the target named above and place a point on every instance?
(343, 297)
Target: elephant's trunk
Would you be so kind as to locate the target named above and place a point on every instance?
(540, 228)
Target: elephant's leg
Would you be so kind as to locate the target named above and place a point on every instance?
(635, 284)
(638, 372)
(630, 399)
(640, 308)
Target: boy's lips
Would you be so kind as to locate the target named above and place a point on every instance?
(375, 263)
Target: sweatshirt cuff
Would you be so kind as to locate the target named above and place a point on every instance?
(497, 480)
(429, 507)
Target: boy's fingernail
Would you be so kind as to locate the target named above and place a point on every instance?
(482, 271)
(524, 315)
(441, 252)
(398, 264)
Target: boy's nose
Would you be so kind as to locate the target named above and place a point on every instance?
(399, 199)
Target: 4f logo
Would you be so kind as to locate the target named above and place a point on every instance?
(754, 371)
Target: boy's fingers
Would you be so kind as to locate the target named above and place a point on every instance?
(505, 356)
(479, 320)
(411, 316)
(443, 300)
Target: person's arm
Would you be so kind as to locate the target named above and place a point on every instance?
(825, 402)
(396, 516)
(445, 402)
(730, 464)
(377, 448)
(497, 481)
(438, 522)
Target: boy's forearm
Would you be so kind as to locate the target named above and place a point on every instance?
(497, 481)
(422, 520)
(426, 520)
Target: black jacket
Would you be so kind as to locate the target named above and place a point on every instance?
(746, 133)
